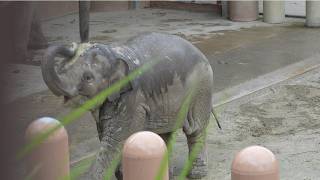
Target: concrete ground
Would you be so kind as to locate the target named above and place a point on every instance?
(283, 117)
(254, 101)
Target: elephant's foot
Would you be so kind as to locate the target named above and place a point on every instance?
(171, 175)
(199, 169)
(98, 168)
(119, 173)
(97, 172)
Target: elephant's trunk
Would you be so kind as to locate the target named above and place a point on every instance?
(49, 72)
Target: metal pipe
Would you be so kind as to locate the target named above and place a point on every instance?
(50, 159)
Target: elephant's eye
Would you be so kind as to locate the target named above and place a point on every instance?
(87, 76)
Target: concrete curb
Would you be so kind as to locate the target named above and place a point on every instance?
(265, 81)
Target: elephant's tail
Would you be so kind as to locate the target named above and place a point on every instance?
(215, 117)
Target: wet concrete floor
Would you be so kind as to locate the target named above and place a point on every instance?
(237, 55)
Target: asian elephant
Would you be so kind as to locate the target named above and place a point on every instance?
(149, 102)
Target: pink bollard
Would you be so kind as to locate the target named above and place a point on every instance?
(142, 155)
(50, 159)
(255, 163)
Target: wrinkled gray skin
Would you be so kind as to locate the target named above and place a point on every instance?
(150, 102)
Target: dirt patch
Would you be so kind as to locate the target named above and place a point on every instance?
(282, 115)
(284, 118)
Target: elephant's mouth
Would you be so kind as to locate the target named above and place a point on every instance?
(66, 99)
(74, 101)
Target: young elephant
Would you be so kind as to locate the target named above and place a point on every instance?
(150, 102)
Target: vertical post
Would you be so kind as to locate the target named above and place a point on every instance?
(273, 11)
(50, 159)
(243, 10)
(142, 155)
(84, 17)
(134, 4)
(224, 9)
(313, 13)
(255, 163)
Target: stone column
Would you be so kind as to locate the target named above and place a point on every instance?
(273, 11)
(243, 10)
(313, 13)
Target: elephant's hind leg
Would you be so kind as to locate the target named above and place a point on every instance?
(197, 143)
(195, 130)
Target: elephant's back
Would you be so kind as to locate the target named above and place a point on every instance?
(153, 46)
(174, 58)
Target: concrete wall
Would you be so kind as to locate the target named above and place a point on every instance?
(188, 5)
(50, 9)
(100, 6)
(200, 1)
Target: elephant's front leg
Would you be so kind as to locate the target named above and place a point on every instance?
(104, 160)
(166, 137)
(109, 154)
(114, 130)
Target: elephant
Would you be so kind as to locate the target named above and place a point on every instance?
(151, 101)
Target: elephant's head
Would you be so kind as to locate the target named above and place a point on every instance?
(81, 71)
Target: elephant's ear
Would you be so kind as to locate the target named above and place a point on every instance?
(121, 70)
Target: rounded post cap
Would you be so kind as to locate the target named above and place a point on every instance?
(44, 125)
(144, 145)
(255, 160)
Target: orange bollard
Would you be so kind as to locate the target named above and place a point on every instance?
(50, 159)
(142, 155)
(255, 163)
